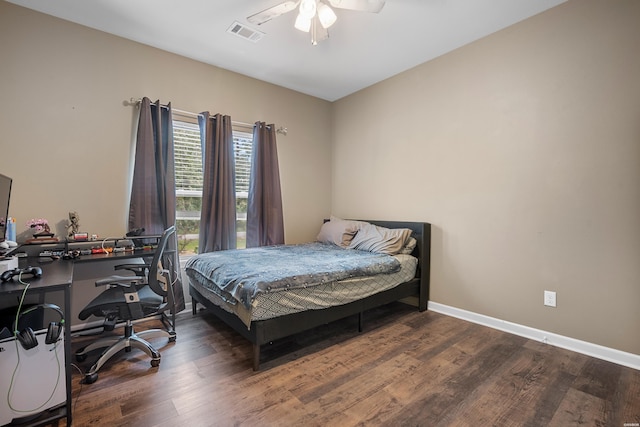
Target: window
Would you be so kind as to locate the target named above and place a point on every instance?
(188, 169)
(242, 146)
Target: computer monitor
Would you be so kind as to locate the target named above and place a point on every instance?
(5, 195)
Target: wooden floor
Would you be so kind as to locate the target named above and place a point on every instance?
(406, 369)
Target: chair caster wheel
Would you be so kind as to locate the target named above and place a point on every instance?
(81, 357)
(90, 378)
(155, 363)
(172, 338)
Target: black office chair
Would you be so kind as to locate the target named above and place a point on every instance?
(148, 292)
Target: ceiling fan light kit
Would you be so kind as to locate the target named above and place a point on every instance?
(308, 8)
(326, 15)
(315, 16)
(302, 23)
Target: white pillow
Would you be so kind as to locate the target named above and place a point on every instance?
(409, 246)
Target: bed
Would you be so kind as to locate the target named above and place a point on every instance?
(268, 311)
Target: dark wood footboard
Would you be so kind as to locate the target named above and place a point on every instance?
(265, 331)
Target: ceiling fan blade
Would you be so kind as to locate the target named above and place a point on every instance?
(373, 6)
(272, 12)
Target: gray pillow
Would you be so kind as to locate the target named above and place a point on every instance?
(337, 231)
(382, 240)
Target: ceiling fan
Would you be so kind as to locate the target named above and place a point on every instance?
(315, 16)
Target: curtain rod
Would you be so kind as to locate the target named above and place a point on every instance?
(281, 130)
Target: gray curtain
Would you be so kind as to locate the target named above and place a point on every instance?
(153, 190)
(265, 223)
(218, 215)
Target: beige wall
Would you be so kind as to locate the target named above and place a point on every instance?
(66, 134)
(523, 150)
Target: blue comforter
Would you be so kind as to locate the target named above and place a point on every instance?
(244, 273)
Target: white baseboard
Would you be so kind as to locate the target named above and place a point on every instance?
(605, 353)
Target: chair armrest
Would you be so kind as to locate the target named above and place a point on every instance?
(132, 265)
(139, 269)
(124, 281)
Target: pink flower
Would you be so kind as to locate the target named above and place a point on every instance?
(40, 224)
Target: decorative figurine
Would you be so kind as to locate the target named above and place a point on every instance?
(73, 226)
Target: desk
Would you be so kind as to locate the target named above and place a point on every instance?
(88, 268)
(55, 277)
(34, 248)
(58, 275)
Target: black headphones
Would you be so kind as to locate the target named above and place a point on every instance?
(28, 338)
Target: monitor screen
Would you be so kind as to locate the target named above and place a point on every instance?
(5, 194)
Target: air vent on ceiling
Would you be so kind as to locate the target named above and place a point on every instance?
(245, 32)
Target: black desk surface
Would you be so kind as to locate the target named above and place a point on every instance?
(59, 272)
(55, 274)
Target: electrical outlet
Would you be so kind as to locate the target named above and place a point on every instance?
(550, 298)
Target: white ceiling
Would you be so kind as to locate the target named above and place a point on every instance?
(362, 49)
